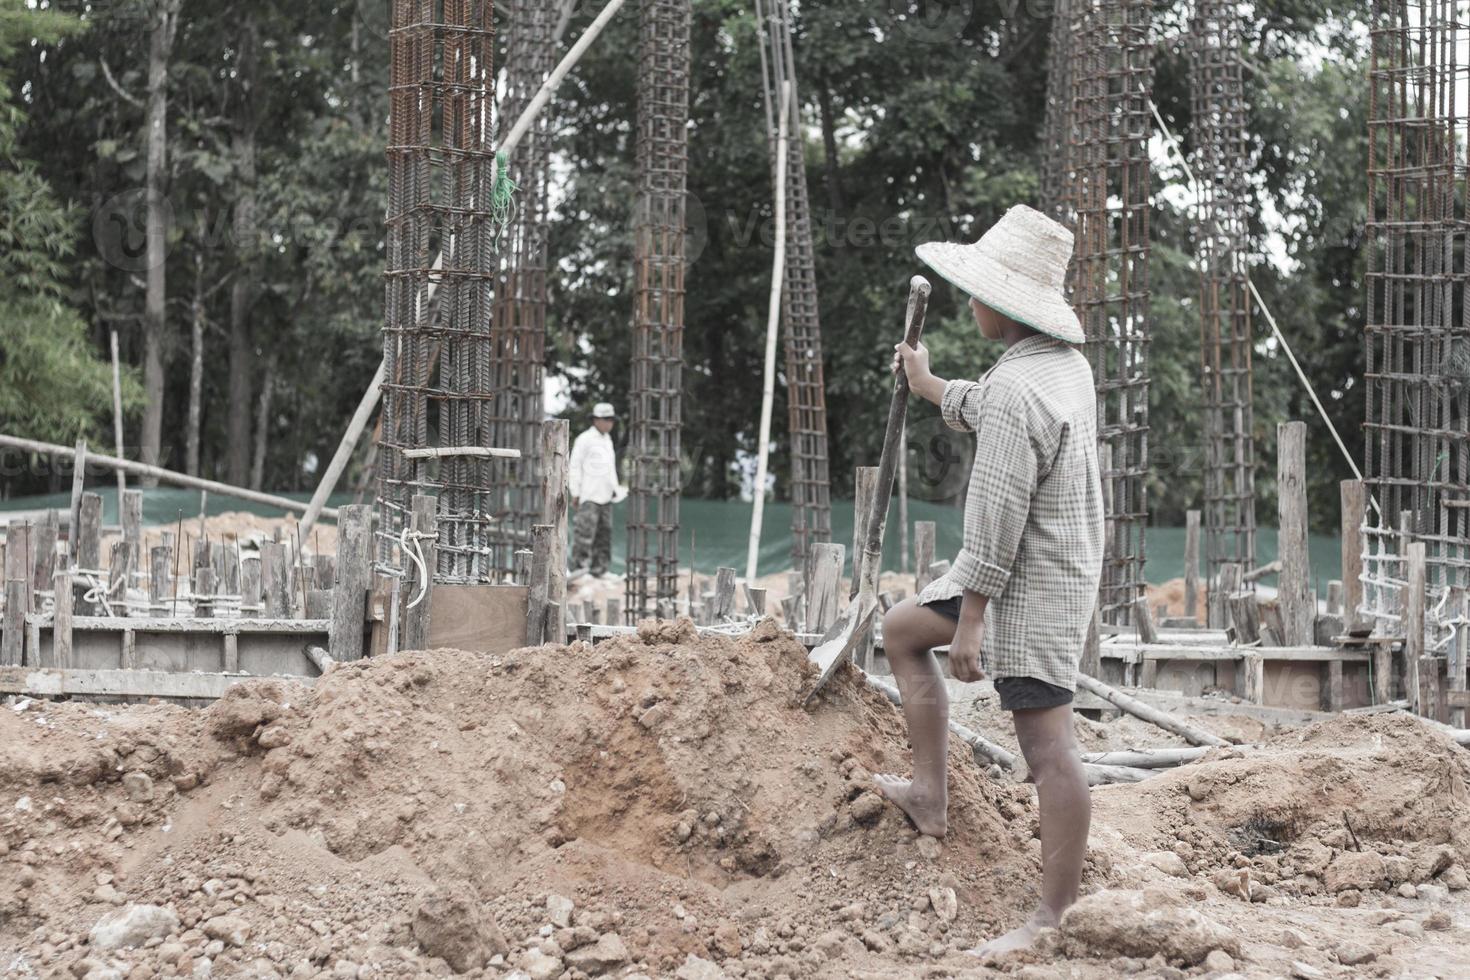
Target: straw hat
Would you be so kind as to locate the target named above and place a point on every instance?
(1017, 268)
(603, 410)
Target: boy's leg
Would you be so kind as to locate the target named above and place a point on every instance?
(910, 632)
(602, 540)
(1050, 748)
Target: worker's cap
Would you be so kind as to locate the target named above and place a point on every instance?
(603, 410)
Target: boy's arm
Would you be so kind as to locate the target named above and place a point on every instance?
(958, 401)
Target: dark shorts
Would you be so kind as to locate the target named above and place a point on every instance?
(1016, 693)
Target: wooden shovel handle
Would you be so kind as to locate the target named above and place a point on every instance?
(893, 434)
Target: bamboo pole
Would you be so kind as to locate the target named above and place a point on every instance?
(773, 313)
(1194, 734)
(158, 473)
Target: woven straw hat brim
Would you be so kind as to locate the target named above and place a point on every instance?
(1019, 297)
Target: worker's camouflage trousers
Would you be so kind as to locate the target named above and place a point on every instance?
(592, 537)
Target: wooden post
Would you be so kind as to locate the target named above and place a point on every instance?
(865, 486)
(1252, 682)
(89, 534)
(1414, 599)
(724, 607)
(250, 593)
(1332, 686)
(275, 584)
(1143, 622)
(1191, 564)
(1298, 615)
(43, 551)
(78, 481)
(614, 611)
(923, 553)
(1354, 511)
(755, 601)
(415, 630)
(825, 588)
(158, 562)
(1455, 659)
(61, 655)
(117, 415)
(13, 641)
(1382, 667)
(1245, 617)
(522, 572)
(131, 518)
(204, 589)
(18, 564)
(119, 572)
(555, 436)
(1334, 597)
(903, 497)
(354, 576)
(536, 598)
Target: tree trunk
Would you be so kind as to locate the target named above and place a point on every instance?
(262, 422)
(196, 370)
(155, 341)
(829, 147)
(242, 291)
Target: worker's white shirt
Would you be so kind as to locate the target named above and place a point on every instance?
(594, 468)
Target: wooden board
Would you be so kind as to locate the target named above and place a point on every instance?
(42, 682)
(482, 618)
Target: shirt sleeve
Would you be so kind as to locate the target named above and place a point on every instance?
(960, 405)
(574, 467)
(998, 502)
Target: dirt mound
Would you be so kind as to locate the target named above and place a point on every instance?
(636, 803)
(1355, 803)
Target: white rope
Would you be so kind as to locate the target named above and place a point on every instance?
(410, 539)
(1261, 302)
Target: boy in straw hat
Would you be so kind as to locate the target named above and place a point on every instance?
(1018, 599)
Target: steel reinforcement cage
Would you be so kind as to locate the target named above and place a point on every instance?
(658, 316)
(1107, 190)
(1221, 242)
(440, 278)
(1417, 374)
(518, 332)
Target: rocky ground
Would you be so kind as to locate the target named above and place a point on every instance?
(662, 805)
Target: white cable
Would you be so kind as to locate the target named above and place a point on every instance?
(1261, 302)
(413, 551)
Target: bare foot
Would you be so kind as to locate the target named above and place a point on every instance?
(1020, 937)
(928, 811)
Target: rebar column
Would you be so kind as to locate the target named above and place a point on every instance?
(1059, 120)
(437, 390)
(1222, 254)
(658, 314)
(1417, 374)
(806, 397)
(1112, 76)
(519, 325)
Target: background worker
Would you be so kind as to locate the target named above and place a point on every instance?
(593, 481)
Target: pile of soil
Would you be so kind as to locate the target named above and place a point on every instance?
(660, 804)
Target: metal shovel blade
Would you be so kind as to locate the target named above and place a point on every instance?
(842, 639)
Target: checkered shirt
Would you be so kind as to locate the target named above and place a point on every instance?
(1033, 537)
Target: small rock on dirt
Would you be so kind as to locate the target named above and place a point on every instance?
(606, 954)
(929, 847)
(138, 785)
(1351, 954)
(229, 929)
(1219, 961)
(945, 903)
(695, 968)
(1168, 862)
(867, 808)
(538, 966)
(1437, 921)
(559, 910)
(449, 924)
(1361, 870)
(133, 926)
(1145, 923)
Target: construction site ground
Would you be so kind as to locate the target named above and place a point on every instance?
(662, 805)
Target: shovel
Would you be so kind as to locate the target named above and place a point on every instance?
(852, 627)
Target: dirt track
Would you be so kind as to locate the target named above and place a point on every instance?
(660, 805)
